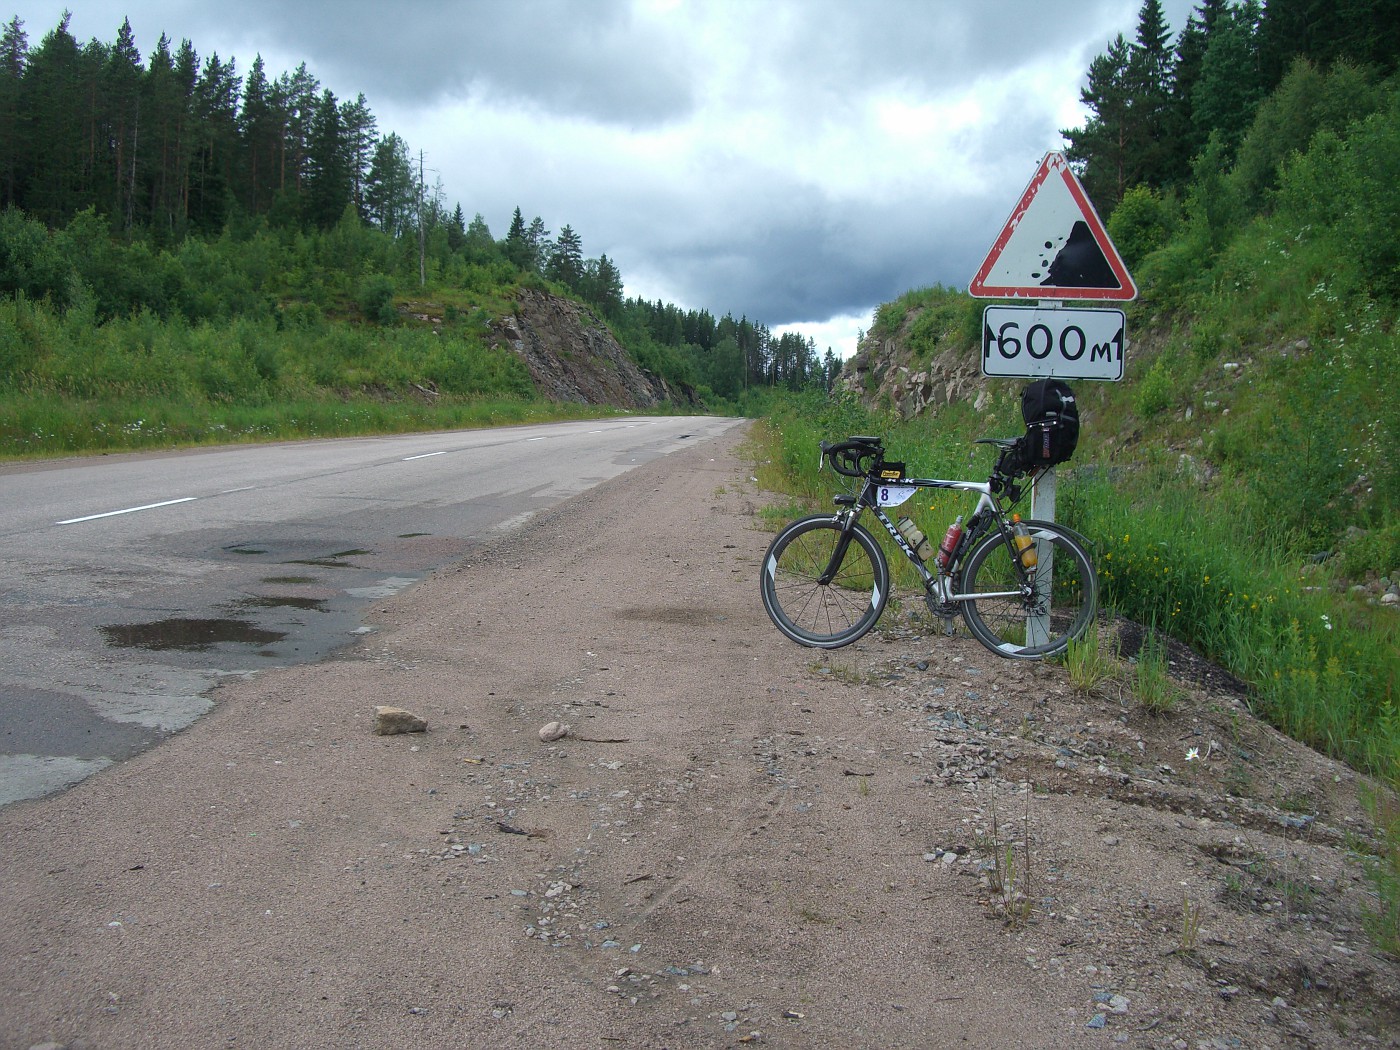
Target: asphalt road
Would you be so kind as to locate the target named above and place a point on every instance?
(130, 586)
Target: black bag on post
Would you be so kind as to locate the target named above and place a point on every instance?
(1052, 423)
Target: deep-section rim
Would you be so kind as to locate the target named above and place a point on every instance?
(993, 544)
(811, 601)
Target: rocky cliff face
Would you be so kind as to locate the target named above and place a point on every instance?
(883, 374)
(572, 356)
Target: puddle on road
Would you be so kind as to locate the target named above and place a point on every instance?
(298, 553)
(189, 635)
(283, 602)
(332, 561)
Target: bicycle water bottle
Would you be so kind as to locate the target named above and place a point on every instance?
(1025, 545)
(950, 543)
(916, 538)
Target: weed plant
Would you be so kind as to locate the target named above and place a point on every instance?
(1383, 870)
(1089, 664)
(1151, 683)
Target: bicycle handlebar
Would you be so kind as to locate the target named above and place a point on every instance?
(849, 457)
(860, 456)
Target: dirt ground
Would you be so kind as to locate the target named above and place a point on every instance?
(906, 843)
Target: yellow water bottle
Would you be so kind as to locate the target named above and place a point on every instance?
(1025, 545)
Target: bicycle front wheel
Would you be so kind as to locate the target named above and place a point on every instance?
(824, 615)
(1038, 617)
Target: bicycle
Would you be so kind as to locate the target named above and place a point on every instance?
(1024, 588)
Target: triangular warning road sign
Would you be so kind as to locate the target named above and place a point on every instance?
(1053, 246)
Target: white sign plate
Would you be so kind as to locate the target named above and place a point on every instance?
(1036, 343)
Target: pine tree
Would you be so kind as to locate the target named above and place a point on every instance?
(215, 126)
(1149, 86)
(328, 179)
(1230, 88)
(165, 101)
(359, 129)
(296, 97)
(1189, 55)
(566, 261)
(517, 249)
(53, 126)
(539, 246)
(602, 285)
(457, 229)
(391, 190)
(120, 124)
(260, 127)
(1101, 148)
(14, 50)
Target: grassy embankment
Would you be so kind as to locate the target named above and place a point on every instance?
(113, 344)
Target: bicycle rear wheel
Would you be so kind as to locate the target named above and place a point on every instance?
(823, 615)
(1029, 623)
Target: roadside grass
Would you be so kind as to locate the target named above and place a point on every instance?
(41, 427)
(1323, 665)
(70, 385)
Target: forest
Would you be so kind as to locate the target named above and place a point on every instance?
(180, 207)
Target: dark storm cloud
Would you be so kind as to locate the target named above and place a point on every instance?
(838, 261)
(588, 58)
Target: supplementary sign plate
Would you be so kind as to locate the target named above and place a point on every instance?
(1035, 342)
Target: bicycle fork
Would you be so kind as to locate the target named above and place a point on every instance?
(843, 544)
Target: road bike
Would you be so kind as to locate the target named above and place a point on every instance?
(1024, 588)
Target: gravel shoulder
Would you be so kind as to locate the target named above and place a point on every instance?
(741, 842)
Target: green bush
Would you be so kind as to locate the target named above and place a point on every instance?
(1157, 391)
(1140, 224)
(376, 299)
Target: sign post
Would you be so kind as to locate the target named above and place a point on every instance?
(1052, 248)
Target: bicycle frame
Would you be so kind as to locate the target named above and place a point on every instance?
(875, 495)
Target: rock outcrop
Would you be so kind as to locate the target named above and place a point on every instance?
(881, 374)
(572, 356)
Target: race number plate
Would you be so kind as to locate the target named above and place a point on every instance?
(894, 495)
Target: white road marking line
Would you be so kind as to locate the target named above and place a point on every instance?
(128, 510)
(425, 455)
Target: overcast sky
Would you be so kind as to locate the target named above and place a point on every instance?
(798, 162)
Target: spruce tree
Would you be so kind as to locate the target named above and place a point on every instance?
(14, 50)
